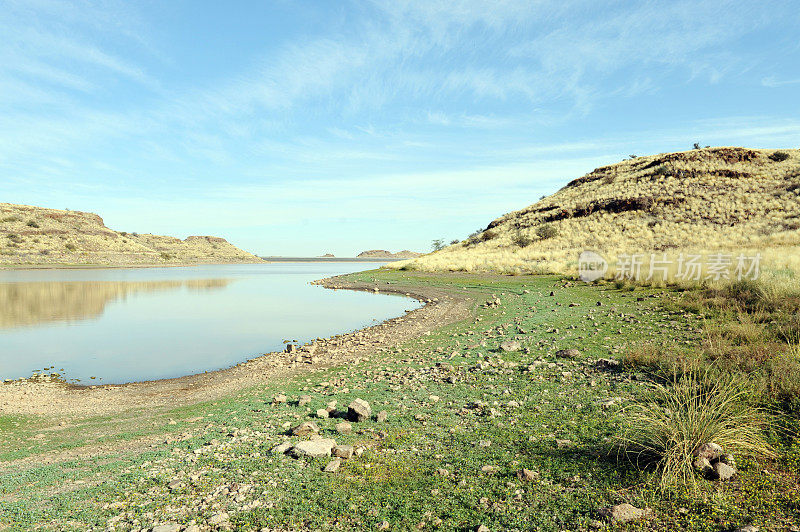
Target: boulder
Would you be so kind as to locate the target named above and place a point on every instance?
(343, 451)
(359, 410)
(382, 416)
(333, 466)
(281, 448)
(344, 427)
(303, 400)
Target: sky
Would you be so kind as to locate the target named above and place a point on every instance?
(299, 128)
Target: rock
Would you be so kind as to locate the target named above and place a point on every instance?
(568, 353)
(278, 399)
(526, 475)
(169, 527)
(382, 416)
(343, 451)
(607, 364)
(711, 451)
(564, 444)
(218, 519)
(282, 447)
(175, 484)
(344, 427)
(333, 466)
(511, 345)
(359, 410)
(291, 348)
(702, 465)
(192, 528)
(323, 413)
(306, 428)
(303, 400)
(622, 513)
(314, 448)
(482, 528)
(747, 528)
(383, 525)
(723, 471)
(728, 459)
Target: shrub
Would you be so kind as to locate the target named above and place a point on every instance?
(546, 231)
(9, 219)
(165, 256)
(662, 170)
(454, 241)
(779, 156)
(437, 244)
(488, 235)
(521, 239)
(32, 223)
(70, 246)
(696, 146)
(691, 410)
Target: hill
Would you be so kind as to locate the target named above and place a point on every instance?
(383, 254)
(35, 235)
(701, 200)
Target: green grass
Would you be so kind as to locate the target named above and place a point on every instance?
(494, 397)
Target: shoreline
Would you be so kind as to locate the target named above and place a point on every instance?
(441, 307)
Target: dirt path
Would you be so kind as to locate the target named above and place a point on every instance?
(442, 306)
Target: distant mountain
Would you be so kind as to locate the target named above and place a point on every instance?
(327, 256)
(383, 254)
(35, 235)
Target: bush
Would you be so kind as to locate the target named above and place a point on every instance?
(70, 246)
(32, 223)
(437, 244)
(779, 156)
(488, 235)
(521, 239)
(9, 219)
(546, 231)
(693, 409)
(165, 256)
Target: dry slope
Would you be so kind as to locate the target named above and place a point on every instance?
(34, 235)
(700, 200)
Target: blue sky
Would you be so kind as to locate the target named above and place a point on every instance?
(299, 128)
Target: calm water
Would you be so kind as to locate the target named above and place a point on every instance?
(125, 325)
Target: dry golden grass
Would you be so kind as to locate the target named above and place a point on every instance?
(701, 201)
(34, 235)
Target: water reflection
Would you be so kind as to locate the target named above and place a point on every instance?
(30, 303)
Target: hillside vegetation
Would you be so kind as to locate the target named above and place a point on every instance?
(701, 200)
(34, 235)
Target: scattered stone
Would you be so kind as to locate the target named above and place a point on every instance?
(564, 444)
(219, 519)
(511, 345)
(169, 527)
(323, 413)
(333, 466)
(343, 451)
(607, 364)
(568, 353)
(359, 410)
(489, 469)
(306, 428)
(747, 528)
(723, 471)
(702, 465)
(281, 448)
(482, 528)
(623, 513)
(711, 451)
(344, 427)
(278, 399)
(382, 415)
(291, 348)
(314, 448)
(526, 475)
(303, 400)
(383, 525)
(175, 484)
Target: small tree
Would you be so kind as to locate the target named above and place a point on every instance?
(454, 241)
(437, 244)
(696, 146)
(521, 239)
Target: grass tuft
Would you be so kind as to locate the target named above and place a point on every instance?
(694, 408)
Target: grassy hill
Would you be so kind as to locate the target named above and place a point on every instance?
(697, 201)
(34, 235)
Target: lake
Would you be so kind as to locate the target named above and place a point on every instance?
(134, 324)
